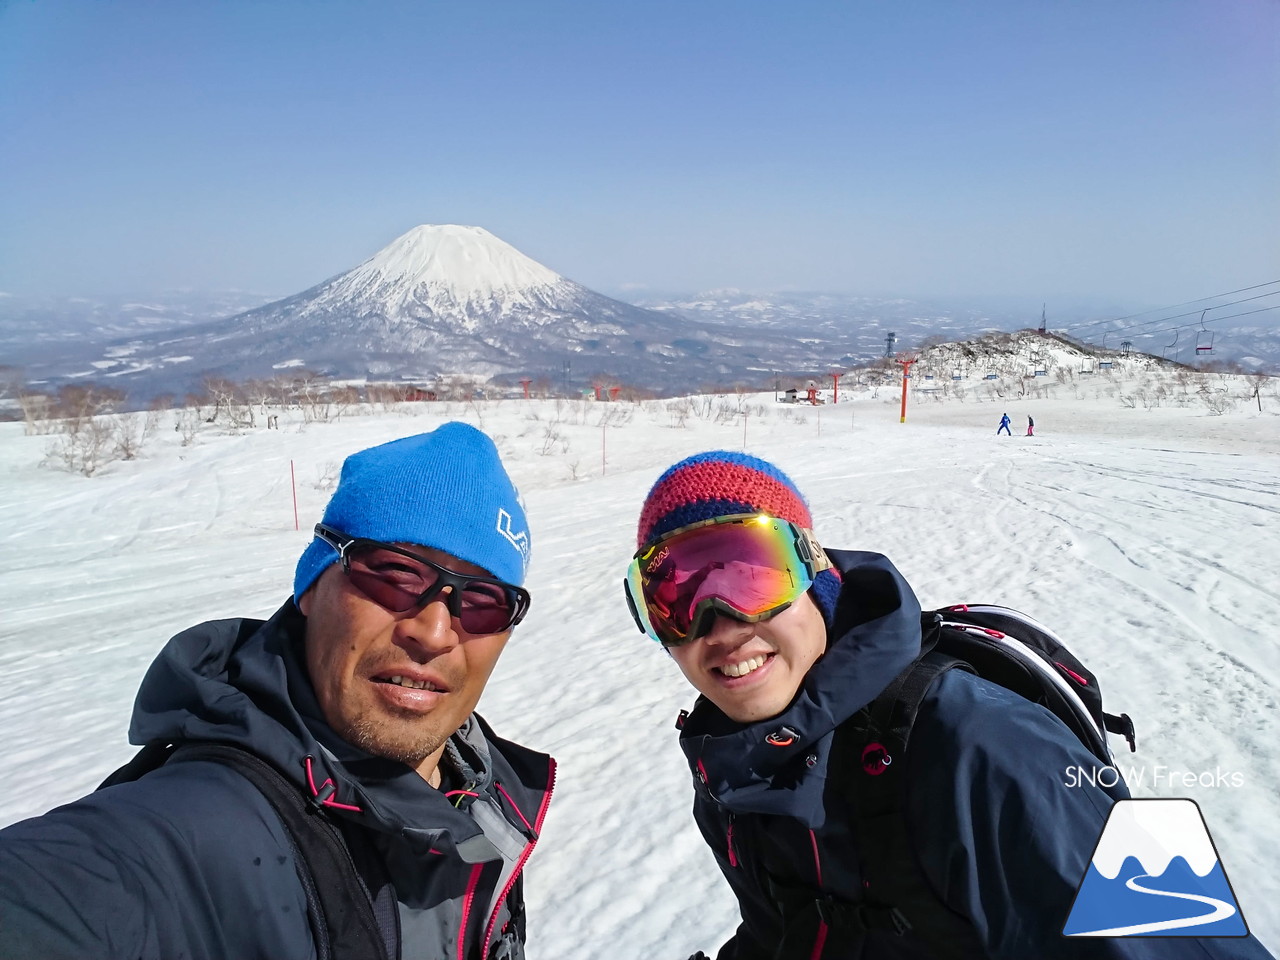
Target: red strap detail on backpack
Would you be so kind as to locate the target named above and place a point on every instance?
(1071, 673)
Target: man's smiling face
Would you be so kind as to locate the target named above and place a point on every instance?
(396, 685)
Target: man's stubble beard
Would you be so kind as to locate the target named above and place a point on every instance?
(373, 737)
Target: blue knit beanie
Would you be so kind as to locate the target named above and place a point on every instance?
(445, 489)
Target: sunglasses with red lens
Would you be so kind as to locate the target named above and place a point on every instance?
(401, 581)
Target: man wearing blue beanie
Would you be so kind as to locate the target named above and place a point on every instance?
(318, 784)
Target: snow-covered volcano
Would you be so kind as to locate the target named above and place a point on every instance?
(444, 280)
(446, 270)
(449, 299)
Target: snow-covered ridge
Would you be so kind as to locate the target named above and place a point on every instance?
(449, 300)
(447, 263)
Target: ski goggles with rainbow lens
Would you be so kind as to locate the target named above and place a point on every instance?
(747, 566)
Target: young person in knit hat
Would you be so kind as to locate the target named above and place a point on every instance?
(333, 793)
(787, 643)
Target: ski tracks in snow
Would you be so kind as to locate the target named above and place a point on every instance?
(1171, 613)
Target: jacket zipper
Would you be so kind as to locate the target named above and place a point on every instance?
(524, 856)
(466, 909)
(728, 836)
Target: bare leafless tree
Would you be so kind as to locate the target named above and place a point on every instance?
(229, 402)
(84, 446)
(39, 413)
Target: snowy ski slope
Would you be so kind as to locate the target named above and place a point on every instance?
(1149, 539)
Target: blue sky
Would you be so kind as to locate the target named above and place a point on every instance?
(1128, 150)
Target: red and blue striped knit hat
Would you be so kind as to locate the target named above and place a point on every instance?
(719, 483)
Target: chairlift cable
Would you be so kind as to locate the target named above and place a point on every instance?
(1198, 323)
(1175, 306)
(1122, 331)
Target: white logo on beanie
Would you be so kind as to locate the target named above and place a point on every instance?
(518, 540)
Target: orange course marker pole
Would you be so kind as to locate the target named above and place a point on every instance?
(906, 367)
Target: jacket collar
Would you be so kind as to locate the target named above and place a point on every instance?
(244, 682)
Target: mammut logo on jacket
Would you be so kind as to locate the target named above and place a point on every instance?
(875, 759)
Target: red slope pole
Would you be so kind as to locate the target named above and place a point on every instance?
(906, 367)
(293, 482)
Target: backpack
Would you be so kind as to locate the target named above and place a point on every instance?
(998, 644)
(340, 908)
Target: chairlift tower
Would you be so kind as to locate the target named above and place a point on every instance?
(1044, 326)
(889, 341)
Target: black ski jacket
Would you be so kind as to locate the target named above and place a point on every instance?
(1000, 836)
(191, 861)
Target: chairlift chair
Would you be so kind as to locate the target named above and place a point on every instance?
(1204, 338)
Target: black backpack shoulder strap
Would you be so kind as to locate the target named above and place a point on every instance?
(339, 904)
(872, 748)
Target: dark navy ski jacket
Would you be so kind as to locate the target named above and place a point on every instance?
(1001, 838)
(192, 862)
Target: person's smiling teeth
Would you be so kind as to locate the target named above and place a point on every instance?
(743, 668)
(411, 684)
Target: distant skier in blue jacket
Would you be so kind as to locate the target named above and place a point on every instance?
(1004, 425)
(787, 642)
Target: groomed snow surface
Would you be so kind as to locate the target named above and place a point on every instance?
(1149, 539)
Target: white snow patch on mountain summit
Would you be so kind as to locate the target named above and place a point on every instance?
(444, 265)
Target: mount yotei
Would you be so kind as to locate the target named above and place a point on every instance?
(451, 300)
(446, 299)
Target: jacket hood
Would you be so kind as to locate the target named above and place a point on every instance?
(875, 635)
(244, 682)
